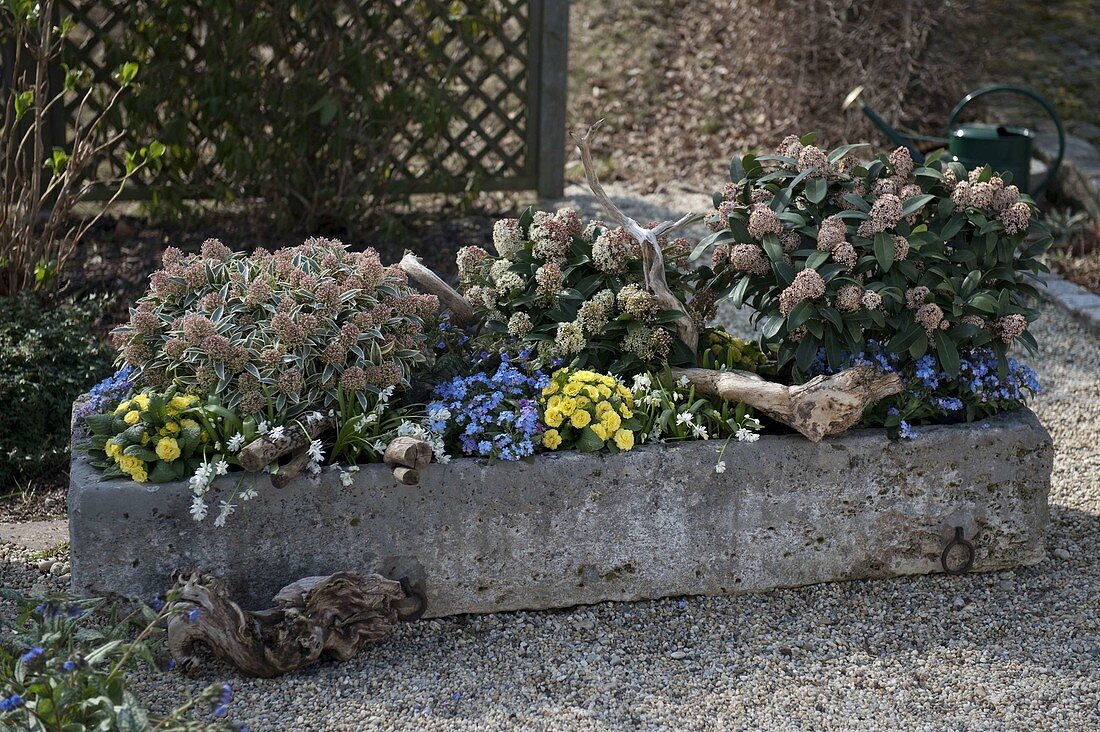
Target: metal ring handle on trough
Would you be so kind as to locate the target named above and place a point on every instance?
(958, 540)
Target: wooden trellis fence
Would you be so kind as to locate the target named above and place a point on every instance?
(506, 95)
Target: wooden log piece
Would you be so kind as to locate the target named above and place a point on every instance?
(291, 470)
(265, 449)
(406, 476)
(409, 452)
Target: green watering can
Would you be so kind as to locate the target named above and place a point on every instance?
(1006, 149)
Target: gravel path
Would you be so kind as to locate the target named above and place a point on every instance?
(1009, 650)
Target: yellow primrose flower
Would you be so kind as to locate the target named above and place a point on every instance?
(600, 430)
(582, 402)
(627, 414)
(602, 408)
(132, 417)
(145, 438)
(168, 449)
(623, 392)
(551, 439)
(624, 439)
(611, 421)
(572, 388)
(552, 389)
(592, 392)
(112, 449)
(553, 402)
(552, 417)
(142, 400)
(177, 404)
(604, 390)
(568, 406)
(139, 475)
(123, 406)
(580, 418)
(129, 463)
(172, 427)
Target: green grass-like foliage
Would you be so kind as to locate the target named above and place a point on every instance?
(60, 670)
(48, 356)
(834, 253)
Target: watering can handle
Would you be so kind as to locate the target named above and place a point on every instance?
(1012, 88)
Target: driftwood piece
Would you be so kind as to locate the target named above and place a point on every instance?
(406, 476)
(462, 311)
(266, 449)
(653, 259)
(406, 457)
(822, 407)
(291, 470)
(408, 451)
(313, 618)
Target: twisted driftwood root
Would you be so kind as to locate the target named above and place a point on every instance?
(653, 259)
(406, 457)
(313, 618)
(462, 311)
(824, 406)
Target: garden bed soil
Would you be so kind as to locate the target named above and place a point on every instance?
(571, 528)
(119, 254)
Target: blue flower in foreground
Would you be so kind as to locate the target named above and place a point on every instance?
(906, 432)
(491, 415)
(109, 391)
(69, 665)
(32, 655)
(11, 702)
(193, 615)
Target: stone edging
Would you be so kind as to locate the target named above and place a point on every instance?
(1077, 301)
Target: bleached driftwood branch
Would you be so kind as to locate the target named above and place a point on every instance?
(313, 618)
(822, 407)
(462, 312)
(653, 258)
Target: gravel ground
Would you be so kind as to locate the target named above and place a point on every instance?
(1008, 650)
(992, 651)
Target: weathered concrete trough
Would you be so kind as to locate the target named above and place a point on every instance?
(571, 529)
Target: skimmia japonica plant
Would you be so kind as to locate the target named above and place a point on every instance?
(833, 253)
(276, 335)
(573, 294)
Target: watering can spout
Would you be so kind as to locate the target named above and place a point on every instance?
(856, 97)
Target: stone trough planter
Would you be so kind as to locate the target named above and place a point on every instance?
(571, 529)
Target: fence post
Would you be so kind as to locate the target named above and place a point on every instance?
(553, 68)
